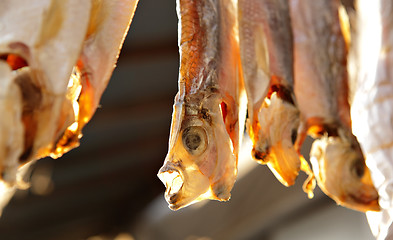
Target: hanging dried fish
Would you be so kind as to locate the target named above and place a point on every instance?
(321, 88)
(267, 60)
(55, 62)
(204, 142)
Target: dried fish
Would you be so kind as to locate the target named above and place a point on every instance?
(321, 88)
(55, 62)
(267, 60)
(204, 142)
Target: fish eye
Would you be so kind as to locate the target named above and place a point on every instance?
(294, 135)
(358, 168)
(194, 140)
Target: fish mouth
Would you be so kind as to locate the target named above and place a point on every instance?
(185, 185)
(282, 159)
(358, 202)
(176, 195)
(284, 162)
(261, 157)
(173, 181)
(14, 61)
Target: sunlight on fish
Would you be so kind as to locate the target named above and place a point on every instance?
(206, 128)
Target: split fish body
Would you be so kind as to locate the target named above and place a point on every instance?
(266, 45)
(204, 141)
(321, 88)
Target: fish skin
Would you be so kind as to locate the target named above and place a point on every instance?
(330, 79)
(267, 58)
(204, 140)
(321, 88)
(100, 52)
(254, 56)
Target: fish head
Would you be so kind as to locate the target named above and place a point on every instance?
(49, 56)
(341, 172)
(279, 121)
(200, 163)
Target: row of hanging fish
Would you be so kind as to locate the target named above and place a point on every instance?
(285, 61)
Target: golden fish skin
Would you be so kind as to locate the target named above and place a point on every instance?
(321, 88)
(267, 60)
(96, 62)
(204, 141)
(320, 54)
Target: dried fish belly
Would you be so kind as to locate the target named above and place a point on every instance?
(321, 88)
(204, 141)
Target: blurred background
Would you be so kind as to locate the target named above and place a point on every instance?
(108, 189)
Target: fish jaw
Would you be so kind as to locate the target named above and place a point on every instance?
(184, 185)
(342, 174)
(279, 122)
(210, 171)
